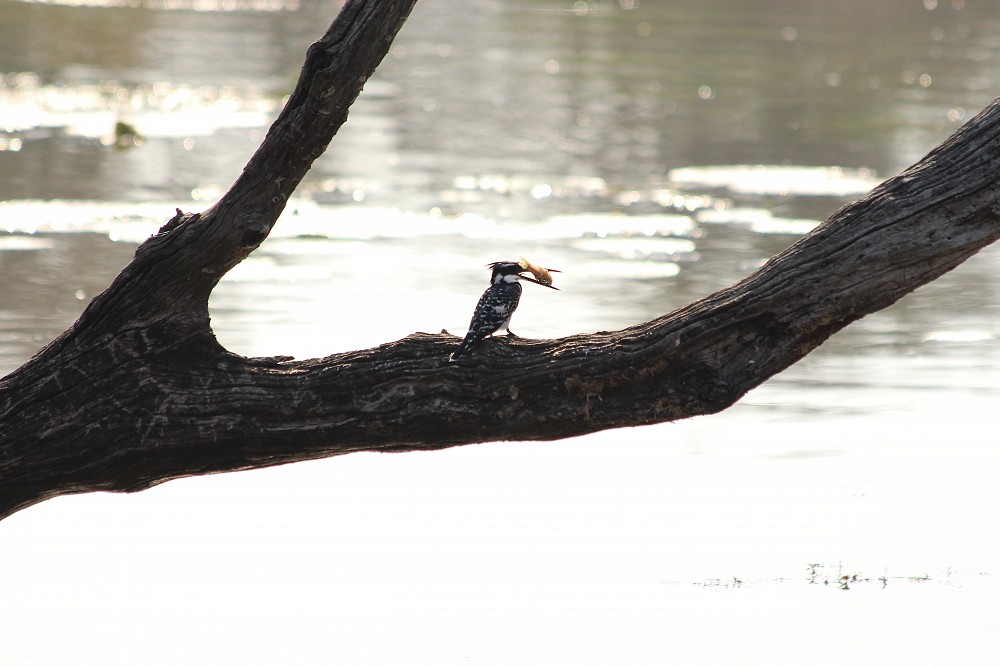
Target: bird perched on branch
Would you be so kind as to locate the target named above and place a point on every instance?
(498, 302)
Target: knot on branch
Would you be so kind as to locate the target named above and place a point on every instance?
(253, 226)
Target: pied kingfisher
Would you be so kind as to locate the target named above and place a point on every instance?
(497, 304)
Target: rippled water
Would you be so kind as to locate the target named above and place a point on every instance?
(653, 151)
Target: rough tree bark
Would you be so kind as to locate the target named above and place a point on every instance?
(138, 391)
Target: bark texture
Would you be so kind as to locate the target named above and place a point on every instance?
(138, 391)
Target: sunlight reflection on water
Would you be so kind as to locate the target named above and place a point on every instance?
(159, 110)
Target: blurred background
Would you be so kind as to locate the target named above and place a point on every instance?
(654, 151)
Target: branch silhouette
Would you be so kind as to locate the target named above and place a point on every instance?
(138, 391)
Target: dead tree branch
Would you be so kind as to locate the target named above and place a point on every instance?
(138, 391)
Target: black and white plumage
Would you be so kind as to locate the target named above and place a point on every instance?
(496, 305)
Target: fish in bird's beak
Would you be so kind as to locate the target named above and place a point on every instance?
(542, 275)
(539, 282)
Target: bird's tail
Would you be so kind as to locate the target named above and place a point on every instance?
(466, 343)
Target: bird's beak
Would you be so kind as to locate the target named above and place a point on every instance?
(539, 282)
